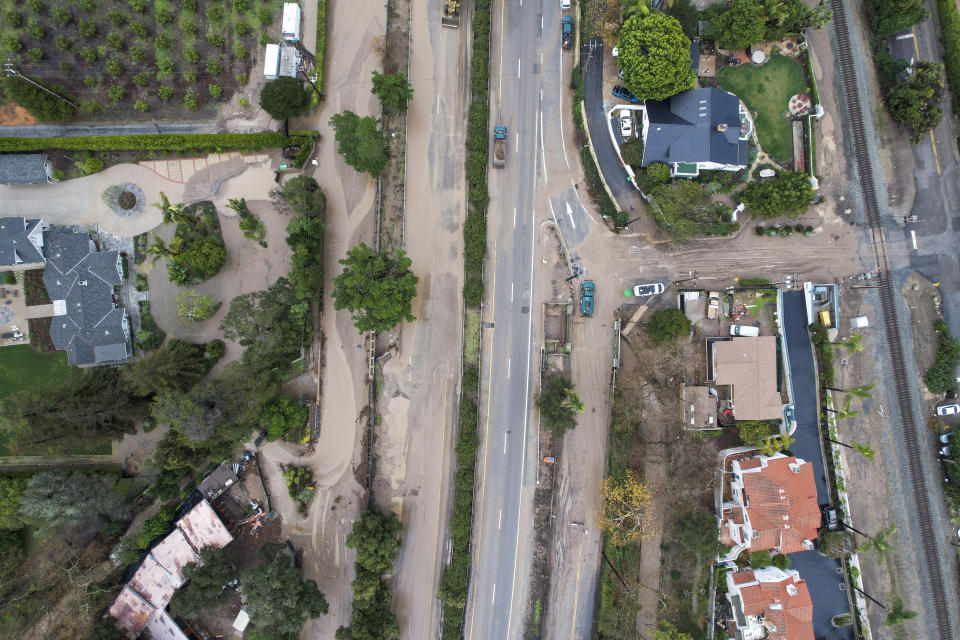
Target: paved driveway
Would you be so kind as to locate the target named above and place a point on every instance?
(821, 573)
(591, 57)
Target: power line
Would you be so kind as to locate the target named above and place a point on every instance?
(10, 69)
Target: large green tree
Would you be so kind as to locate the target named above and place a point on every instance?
(207, 584)
(272, 325)
(915, 102)
(94, 404)
(282, 415)
(66, 499)
(284, 98)
(666, 325)
(655, 56)
(362, 145)
(376, 537)
(892, 16)
(559, 404)
(789, 192)
(11, 489)
(393, 89)
(742, 25)
(304, 196)
(279, 601)
(177, 365)
(42, 105)
(376, 287)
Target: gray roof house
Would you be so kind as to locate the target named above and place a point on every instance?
(21, 243)
(24, 168)
(699, 129)
(80, 281)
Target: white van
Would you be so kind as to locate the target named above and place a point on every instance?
(744, 330)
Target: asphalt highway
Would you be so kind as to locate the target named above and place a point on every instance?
(525, 97)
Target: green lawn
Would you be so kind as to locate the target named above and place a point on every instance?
(767, 90)
(21, 367)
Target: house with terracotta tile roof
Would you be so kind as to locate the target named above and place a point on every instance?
(770, 504)
(770, 604)
(141, 605)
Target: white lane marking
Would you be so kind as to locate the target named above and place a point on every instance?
(562, 145)
(515, 214)
(543, 153)
(508, 372)
(511, 292)
(517, 146)
(518, 67)
(500, 517)
(913, 238)
(504, 449)
(570, 215)
(493, 596)
(438, 104)
(541, 22)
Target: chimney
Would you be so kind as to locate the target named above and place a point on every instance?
(722, 127)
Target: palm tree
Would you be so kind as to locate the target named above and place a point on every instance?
(866, 450)
(572, 401)
(855, 343)
(171, 212)
(898, 613)
(845, 412)
(863, 391)
(776, 444)
(879, 543)
(777, 11)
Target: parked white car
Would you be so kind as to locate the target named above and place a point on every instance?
(948, 409)
(744, 330)
(945, 438)
(626, 123)
(643, 290)
(564, 5)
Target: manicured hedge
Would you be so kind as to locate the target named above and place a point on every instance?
(321, 40)
(950, 24)
(152, 142)
(595, 184)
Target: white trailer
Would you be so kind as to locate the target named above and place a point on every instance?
(292, 18)
(271, 62)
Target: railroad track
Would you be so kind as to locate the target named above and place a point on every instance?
(888, 305)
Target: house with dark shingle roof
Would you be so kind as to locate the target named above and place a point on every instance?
(24, 168)
(21, 243)
(696, 130)
(87, 324)
(769, 603)
(772, 506)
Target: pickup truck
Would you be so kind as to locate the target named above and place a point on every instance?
(499, 145)
(586, 298)
(566, 36)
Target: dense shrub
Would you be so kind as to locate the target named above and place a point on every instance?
(939, 378)
(475, 242)
(41, 105)
(950, 25)
(473, 291)
(595, 183)
(790, 192)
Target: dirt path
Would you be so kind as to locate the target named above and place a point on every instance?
(350, 201)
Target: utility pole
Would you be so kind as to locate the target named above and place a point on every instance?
(11, 70)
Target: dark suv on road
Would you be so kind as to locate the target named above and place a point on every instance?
(623, 93)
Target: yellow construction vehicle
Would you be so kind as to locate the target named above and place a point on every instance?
(451, 14)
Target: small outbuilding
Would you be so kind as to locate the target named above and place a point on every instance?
(859, 322)
(25, 168)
